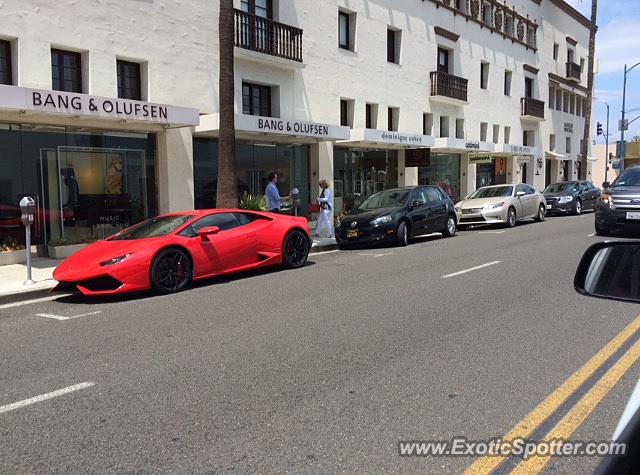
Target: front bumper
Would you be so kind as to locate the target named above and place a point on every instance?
(365, 235)
(555, 207)
(616, 219)
(482, 216)
(111, 280)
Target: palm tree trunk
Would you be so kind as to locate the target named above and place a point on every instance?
(587, 110)
(227, 189)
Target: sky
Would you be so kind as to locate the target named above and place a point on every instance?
(617, 44)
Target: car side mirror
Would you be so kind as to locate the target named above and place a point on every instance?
(208, 231)
(520, 194)
(416, 203)
(608, 270)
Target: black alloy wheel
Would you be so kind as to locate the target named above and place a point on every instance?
(171, 271)
(402, 234)
(295, 250)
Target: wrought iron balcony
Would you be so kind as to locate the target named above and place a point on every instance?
(573, 71)
(448, 85)
(266, 36)
(531, 108)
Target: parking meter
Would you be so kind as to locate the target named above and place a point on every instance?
(28, 209)
(295, 200)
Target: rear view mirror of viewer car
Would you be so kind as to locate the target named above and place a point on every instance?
(610, 270)
(208, 231)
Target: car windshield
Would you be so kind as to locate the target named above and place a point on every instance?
(385, 199)
(155, 227)
(560, 187)
(492, 192)
(629, 177)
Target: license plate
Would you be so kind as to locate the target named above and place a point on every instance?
(633, 215)
(353, 233)
(548, 206)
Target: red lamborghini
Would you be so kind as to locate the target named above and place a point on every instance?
(167, 252)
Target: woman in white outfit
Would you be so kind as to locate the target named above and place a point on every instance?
(326, 209)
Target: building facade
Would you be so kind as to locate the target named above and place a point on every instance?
(109, 111)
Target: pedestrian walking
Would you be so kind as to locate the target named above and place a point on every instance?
(326, 209)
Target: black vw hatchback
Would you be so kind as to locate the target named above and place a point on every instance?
(396, 215)
(571, 197)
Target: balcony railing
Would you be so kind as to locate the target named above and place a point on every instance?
(573, 71)
(448, 85)
(532, 107)
(266, 36)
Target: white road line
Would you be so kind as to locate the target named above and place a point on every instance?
(28, 302)
(60, 317)
(375, 254)
(44, 397)
(491, 232)
(493, 263)
(591, 235)
(322, 252)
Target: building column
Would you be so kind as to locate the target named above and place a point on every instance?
(468, 176)
(514, 171)
(320, 166)
(175, 170)
(538, 173)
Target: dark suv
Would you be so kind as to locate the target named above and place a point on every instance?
(397, 214)
(618, 208)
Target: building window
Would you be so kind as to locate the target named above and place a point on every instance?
(509, 25)
(552, 97)
(558, 99)
(552, 142)
(507, 83)
(556, 51)
(5, 63)
(443, 60)
(346, 112)
(507, 134)
(486, 13)
(484, 75)
(444, 126)
(459, 128)
(567, 146)
(483, 131)
(393, 115)
(129, 85)
(427, 124)
(565, 102)
(570, 55)
(256, 99)
(66, 69)
(393, 46)
(371, 119)
(346, 30)
(572, 103)
(260, 8)
(581, 65)
(528, 87)
(496, 133)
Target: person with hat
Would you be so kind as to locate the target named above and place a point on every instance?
(326, 209)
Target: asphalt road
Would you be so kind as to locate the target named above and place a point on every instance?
(321, 369)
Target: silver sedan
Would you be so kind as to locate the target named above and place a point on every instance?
(501, 204)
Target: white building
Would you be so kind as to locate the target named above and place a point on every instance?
(367, 93)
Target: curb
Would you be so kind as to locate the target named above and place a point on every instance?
(328, 247)
(25, 295)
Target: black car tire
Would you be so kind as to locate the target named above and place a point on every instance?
(295, 250)
(402, 234)
(542, 211)
(450, 227)
(171, 271)
(600, 231)
(578, 207)
(512, 217)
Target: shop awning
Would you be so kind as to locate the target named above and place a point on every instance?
(280, 130)
(453, 145)
(46, 104)
(514, 150)
(374, 138)
(554, 156)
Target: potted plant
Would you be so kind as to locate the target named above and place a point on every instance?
(12, 252)
(253, 203)
(63, 248)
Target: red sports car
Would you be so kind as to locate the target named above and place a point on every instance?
(167, 252)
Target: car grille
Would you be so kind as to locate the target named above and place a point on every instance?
(552, 201)
(472, 219)
(626, 202)
(472, 211)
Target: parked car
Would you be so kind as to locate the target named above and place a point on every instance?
(166, 252)
(501, 204)
(396, 215)
(571, 197)
(618, 208)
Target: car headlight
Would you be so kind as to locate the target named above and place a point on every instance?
(565, 199)
(494, 206)
(458, 209)
(115, 260)
(605, 198)
(381, 220)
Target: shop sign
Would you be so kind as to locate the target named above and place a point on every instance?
(271, 125)
(69, 103)
(472, 145)
(568, 127)
(523, 160)
(480, 158)
(397, 138)
(519, 149)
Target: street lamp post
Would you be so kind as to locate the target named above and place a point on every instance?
(606, 141)
(622, 126)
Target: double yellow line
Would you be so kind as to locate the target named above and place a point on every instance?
(578, 413)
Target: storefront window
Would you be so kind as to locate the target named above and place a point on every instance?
(87, 185)
(444, 171)
(357, 174)
(254, 162)
(493, 173)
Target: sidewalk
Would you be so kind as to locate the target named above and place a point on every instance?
(12, 277)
